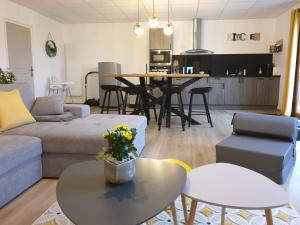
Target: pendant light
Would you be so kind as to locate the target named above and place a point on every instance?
(153, 21)
(168, 28)
(138, 28)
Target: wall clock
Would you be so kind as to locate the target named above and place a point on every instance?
(50, 47)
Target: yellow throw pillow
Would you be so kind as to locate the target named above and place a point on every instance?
(13, 112)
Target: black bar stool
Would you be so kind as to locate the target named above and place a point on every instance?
(108, 89)
(200, 91)
(138, 105)
(167, 93)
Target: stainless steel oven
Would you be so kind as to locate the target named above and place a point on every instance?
(160, 57)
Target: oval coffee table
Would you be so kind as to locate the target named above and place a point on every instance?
(86, 198)
(231, 186)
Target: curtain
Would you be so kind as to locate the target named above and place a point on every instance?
(291, 65)
(296, 95)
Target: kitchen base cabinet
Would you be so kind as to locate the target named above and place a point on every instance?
(232, 91)
(217, 95)
(268, 91)
(248, 91)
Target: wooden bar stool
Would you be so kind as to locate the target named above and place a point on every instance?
(200, 91)
(167, 94)
(108, 89)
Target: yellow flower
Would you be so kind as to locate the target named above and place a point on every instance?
(121, 127)
(105, 134)
(127, 135)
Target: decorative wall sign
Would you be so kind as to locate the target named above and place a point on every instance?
(50, 46)
(243, 37)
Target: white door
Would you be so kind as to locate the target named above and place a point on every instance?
(19, 52)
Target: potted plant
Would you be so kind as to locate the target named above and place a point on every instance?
(119, 156)
(7, 77)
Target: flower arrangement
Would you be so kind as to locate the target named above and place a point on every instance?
(120, 145)
(7, 77)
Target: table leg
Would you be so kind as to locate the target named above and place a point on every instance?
(223, 216)
(193, 121)
(145, 98)
(174, 213)
(168, 112)
(192, 213)
(68, 90)
(269, 217)
(168, 106)
(185, 214)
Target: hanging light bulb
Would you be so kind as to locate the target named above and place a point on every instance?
(153, 21)
(138, 28)
(168, 28)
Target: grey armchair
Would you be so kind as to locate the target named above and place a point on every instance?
(263, 143)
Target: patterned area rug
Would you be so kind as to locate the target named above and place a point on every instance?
(205, 215)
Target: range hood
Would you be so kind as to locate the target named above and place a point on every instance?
(197, 50)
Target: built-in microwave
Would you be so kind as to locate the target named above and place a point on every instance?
(160, 57)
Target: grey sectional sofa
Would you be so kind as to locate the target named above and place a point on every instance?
(45, 149)
(263, 143)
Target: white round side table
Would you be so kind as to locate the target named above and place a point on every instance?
(231, 186)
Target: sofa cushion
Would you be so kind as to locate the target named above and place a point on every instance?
(16, 150)
(282, 127)
(79, 136)
(49, 105)
(67, 116)
(78, 110)
(25, 91)
(13, 112)
(259, 154)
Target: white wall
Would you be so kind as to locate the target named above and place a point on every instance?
(214, 35)
(40, 27)
(282, 29)
(87, 44)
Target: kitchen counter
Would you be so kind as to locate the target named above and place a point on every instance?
(247, 76)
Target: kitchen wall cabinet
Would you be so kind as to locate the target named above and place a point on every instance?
(158, 40)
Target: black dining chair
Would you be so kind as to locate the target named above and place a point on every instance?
(200, 91)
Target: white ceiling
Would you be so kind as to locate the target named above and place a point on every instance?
(93, 11)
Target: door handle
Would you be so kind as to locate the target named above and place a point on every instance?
(31, 71)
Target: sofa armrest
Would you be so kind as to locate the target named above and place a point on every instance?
(78, 110)
(282, 127)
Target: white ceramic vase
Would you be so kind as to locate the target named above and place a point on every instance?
(118, 173)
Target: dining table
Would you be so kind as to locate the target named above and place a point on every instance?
(146, 96)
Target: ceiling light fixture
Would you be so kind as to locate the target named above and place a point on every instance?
(138, 28)
(153, 21)
(168, 28)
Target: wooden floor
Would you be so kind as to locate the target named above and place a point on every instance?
(195, 146)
